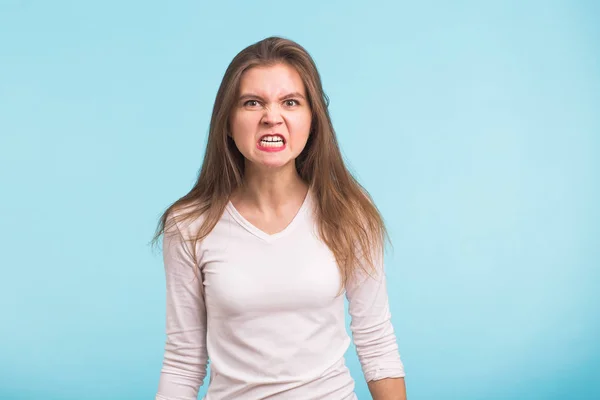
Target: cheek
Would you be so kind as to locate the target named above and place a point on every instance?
(300, 127)
(242, 128)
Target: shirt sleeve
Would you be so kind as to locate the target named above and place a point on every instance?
(185, 356)
(371, 325)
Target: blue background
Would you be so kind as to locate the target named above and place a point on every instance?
(475, 125)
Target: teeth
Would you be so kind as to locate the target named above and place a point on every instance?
(271, 141)
(266, 143)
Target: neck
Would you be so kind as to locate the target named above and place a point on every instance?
(271, 188)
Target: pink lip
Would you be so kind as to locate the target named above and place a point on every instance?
(271, 149)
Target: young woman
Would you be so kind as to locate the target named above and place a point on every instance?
(260, 252)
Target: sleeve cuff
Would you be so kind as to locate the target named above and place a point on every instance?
(376, 374)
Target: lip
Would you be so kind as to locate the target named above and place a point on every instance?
(270, 149)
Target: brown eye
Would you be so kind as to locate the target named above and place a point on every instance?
(291, 103)
(251, 103)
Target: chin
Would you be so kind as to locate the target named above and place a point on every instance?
(273, 164)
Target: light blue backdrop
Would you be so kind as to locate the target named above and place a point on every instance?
(475, 125)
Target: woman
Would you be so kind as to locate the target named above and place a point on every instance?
(258, 254)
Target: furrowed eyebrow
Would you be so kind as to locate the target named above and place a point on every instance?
(292, 95)
(247, 96)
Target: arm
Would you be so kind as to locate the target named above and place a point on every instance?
(388, 389)
(374, 335)
(185, 356)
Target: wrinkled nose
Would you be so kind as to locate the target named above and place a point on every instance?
(272, 116)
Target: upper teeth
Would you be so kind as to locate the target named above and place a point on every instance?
(271, 139)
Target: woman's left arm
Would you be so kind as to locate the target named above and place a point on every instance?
(374, 335)
(388, 389)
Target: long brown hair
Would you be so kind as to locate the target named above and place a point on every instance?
(349, 223)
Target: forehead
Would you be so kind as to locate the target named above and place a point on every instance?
(271, 80)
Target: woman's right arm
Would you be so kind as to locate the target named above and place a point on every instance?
(185, 356)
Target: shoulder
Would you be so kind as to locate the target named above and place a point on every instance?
(184, 221)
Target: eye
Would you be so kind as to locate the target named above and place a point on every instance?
(251, 103)
(291, 103)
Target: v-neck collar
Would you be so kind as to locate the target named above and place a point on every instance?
(239, 218)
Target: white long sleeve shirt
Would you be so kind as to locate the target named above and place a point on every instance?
(264, 309)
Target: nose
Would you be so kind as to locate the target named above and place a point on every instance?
(271, 116)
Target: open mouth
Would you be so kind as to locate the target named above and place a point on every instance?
(271, 141)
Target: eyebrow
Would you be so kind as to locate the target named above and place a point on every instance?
(255, 96)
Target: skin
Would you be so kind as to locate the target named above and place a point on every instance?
(388, 389)
(273, 99)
